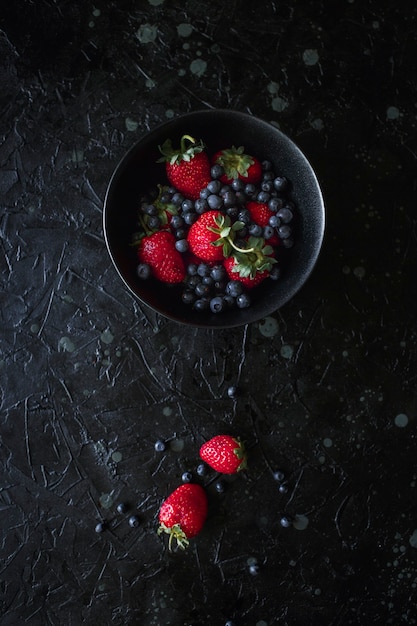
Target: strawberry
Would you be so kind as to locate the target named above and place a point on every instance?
(183, 513)
(188, 167)
(260, 214)
(224, 454)
(211, 236)
(237, 164)
(252, 264)
(159, 252)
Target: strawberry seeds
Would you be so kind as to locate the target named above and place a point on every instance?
(219, 225)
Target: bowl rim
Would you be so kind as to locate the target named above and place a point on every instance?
(292, 290)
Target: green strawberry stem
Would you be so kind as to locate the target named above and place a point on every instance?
(176, 533)
(185, 152)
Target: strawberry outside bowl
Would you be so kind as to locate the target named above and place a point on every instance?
(141, 170)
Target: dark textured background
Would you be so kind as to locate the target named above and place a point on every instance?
(90, 379)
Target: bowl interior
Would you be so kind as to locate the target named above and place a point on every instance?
(139, 171)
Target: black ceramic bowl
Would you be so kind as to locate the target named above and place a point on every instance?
(139, 170)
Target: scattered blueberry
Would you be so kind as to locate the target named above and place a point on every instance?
(186, 477)
(134, 521)
(283, 488)
(216, 171)
(214, 186)
(122, 508)
(232, 392)
(285, 522)
(181, 245)
(160, 446)
(100, 527)
(220, 486)
(279, 476)
(201, 469)
(230, 623)
(234, 288)
(254, 569)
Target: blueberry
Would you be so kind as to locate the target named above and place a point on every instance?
(150, 209)
(144, 271)
(201, 469)
(288, 242)
(218, 272)
(274, 221)
(177, 199)
(122, 508)
(232, 392)
(193, 281)
(237, 184)
(153, 222)
(203, 269)
(263, 196)
(230, 623)
(160, 445)
(215, 202)
(100, 527)
(255, 230)
(285, 214)
(268, 176)
(187, 205)
(243, 301)
(285, 522)
(267, 186)
(241, 197)
(233, 212)
(220, 486)
(177, 222)
(181, 245)
(234, 288)
(229, 301)
(208, 280)
(280, 183)
(275, 204)
(266, 165)
(192, 269)
(217, 304)
(250, 189)
(275, 271)
(188, 297)
(254, 569)
(186, 477)
(244, 216)
(201, 304)
(216, 171)
(229, 199)
(214, 186)
(283, 488)
(180, 233)
(279, 476)
(284, 231)
(134, 521)
(201, 205)
(204, 194)
(190, 218)
(268, 232)
(165, 197)
(202, 290)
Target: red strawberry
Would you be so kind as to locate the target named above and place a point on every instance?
(187, 168)
(158, 250)
(183, 514)
(251, 264)
(210, 236)
(224, 454)
(260, 214)
(237, 164)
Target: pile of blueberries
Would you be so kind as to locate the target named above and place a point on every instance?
(208, 287)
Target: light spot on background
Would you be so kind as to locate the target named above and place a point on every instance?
(279, 104)
(184, 30)
(147, 33)
(401, 420)
(393, 113)
(198, 67)
(310, 57)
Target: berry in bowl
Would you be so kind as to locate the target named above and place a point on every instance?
(214, 219)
